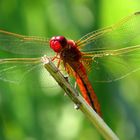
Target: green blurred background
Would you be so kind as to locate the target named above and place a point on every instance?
(29, 112)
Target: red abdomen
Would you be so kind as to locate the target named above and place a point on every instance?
(85, 86)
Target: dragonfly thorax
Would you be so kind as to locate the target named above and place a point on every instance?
(71, 52)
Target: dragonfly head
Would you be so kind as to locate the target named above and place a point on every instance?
(57, 43)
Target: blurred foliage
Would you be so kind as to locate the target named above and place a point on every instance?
(30, 111)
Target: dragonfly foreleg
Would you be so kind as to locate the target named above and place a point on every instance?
(55, 57)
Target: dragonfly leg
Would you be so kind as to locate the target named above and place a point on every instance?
(58, 63)
(55, 57)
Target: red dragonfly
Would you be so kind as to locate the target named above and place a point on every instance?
(115, 47)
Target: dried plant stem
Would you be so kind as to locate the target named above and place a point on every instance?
(96, 120)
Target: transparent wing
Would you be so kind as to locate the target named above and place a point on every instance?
(20, 58)
(120, 35)
(110, 50)
(18, 44)
(112, 65)
(30, 70)
(14, 70)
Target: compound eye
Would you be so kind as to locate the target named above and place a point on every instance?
(55, 45)
(58, 43)
(62, 40)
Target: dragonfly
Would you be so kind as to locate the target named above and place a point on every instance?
(115, 48)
